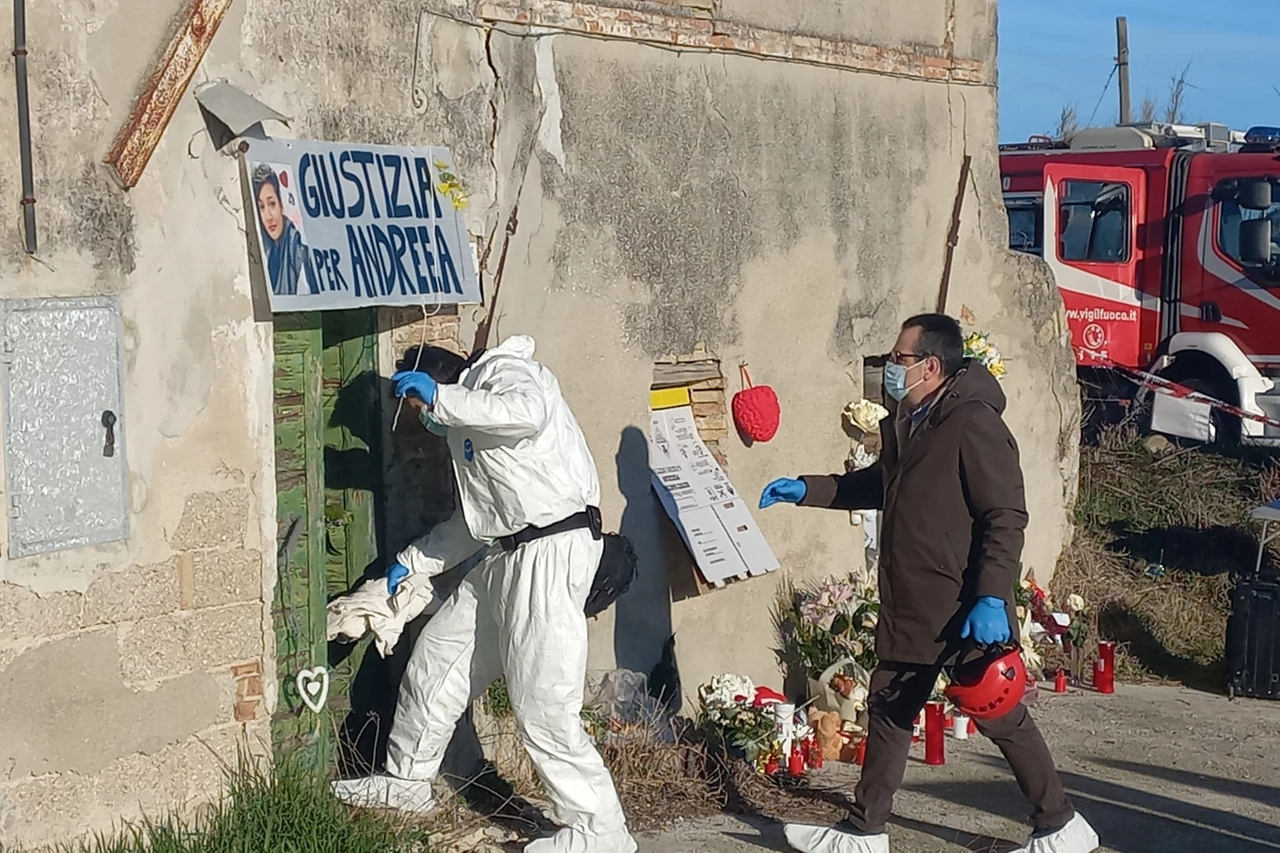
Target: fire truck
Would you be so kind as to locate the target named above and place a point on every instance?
(1165, 244)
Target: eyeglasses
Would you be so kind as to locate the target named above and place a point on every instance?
(896, 357)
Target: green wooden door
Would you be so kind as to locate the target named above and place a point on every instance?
(298, 608)
(353, 471)
(328, 486)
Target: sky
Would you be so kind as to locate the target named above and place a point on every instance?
(1055, 54)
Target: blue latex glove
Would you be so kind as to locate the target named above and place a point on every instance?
(987, 623)
(420, 385)
(784, 490)
(395, 574)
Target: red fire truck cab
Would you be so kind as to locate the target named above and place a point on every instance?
(1165, 243)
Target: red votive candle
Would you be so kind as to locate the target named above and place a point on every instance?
(860, 757)
(1060, 682)
(1104, 669)
(815, 754)
(795, 762)
(935, 734)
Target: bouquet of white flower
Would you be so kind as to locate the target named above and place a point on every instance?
(722, 696)
(730, 710)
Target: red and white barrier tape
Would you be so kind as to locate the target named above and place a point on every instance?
(1166, 386)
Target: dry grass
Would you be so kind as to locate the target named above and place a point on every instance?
(661, 775)
(1179, 509)
(659, 781)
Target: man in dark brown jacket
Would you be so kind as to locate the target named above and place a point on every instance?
(949, 482)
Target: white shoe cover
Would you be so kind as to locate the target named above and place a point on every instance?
(571, 840)
(1076, 837)
(822, 839)
(385, 792)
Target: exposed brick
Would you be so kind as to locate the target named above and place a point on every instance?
(26, 615)
(249, 688)
(715, 396)
(682, 26)
(226, 577)
(711, 423)
(136, 593)
(38, 803)
(186, 580)
(241, 670)
(709, 410)
(152, 649)
(218, 637)
(211, 519)
(246, 710)
(167, 646)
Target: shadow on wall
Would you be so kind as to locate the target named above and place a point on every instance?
(642, 630)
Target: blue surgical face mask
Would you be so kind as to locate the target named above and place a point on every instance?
(433, 426)
(895, 380)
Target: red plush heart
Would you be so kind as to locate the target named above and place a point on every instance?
(756, 411)
(284, 178)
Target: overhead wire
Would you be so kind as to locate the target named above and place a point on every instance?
(1105, 88)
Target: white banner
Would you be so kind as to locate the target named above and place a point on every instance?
(349, 226)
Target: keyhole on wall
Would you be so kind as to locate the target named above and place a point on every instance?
(109, 423)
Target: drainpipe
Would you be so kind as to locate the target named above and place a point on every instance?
(24, 122)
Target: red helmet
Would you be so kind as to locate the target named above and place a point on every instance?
(990, 686)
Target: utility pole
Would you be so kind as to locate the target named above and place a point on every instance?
(1122, 66)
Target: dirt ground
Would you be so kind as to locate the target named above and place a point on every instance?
(1153, 769)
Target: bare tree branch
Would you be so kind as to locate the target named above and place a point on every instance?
(1175, 108)
(1147, 111)
(1068, 123)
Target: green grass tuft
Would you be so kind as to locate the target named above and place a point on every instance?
(288, 810)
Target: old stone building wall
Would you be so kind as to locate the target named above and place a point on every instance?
(772, 183)
(130, 671)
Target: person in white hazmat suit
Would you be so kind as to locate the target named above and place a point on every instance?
(529, 490)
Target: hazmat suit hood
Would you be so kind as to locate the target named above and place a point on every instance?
(519, 346)
(518, 454)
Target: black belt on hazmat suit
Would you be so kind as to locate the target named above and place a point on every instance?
(588, 518)
(618, 563)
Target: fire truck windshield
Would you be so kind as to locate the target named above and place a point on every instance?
(1026, 224)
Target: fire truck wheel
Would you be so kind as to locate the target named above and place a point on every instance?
(1226, 426)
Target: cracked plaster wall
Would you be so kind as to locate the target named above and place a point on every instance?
(781, 213)
(129, 671)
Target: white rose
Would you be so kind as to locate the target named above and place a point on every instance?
(1075, 603)
(865, 414)
(862, 459)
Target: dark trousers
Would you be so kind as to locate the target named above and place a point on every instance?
(898, 693)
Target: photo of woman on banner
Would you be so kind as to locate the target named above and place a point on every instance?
(286, 255)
